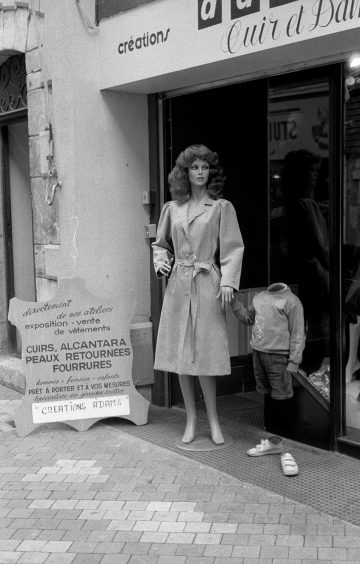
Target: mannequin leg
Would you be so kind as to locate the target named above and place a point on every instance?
(188, 392)
(353, 362)
(208, 386)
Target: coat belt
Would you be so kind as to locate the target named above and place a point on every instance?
(198, 267)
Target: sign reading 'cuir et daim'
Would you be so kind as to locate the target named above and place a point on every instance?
(141, 44)
(77, 359)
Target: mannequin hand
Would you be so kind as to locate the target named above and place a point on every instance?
(227, 296)
(165, 268)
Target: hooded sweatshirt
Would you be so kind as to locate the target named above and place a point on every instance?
(277, 317)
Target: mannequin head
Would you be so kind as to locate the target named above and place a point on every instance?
(179, 176)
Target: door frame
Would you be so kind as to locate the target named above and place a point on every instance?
(6, 120)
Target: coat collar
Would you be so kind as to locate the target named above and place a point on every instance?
(187, 217)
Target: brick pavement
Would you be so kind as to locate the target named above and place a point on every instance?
(106, 497)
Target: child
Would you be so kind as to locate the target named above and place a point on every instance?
(277, 341)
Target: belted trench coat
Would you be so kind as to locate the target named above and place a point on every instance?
(207, 249)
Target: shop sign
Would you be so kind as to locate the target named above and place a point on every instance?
(77, 359)
(146, 42)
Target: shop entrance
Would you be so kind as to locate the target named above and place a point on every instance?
(272, 138)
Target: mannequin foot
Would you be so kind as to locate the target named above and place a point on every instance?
(189, 434)
(216, 434)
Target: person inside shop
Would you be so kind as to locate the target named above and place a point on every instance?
(199, 248)
(277, 341)
(308, 248)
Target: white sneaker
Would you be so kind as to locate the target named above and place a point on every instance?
(265, 447)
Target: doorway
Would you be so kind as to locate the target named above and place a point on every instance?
(17, 265)
(232, 122)
(274, 139)
(17, 203)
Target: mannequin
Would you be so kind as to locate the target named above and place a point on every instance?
(199, 248)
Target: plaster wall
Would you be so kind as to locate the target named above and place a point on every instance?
(101, 149)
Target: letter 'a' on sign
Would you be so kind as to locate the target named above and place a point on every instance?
(240, 8)
(209, 13)
(276, 3)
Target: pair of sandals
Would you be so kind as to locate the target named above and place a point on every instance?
(288, 464)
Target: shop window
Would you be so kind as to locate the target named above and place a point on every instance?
(351, 254)
(299, 212)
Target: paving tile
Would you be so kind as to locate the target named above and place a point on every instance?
(154, 537)
(183, 506)
(87, 559)
(207, 538)
(226, 560)
(33, 558)
(7, 533)
(202, 560)
(115, 559)
(146, 526)
(136, 548)
(224, 528)
(194, 527)
(8, 557)
(171, 527)
(289, 540)
(303, 552)
(143, 559)
(218, 550)
(246, 552)
(165, 516)
(181, 538)
(50, 535)
(61, 558)
(121, 525)
(158, 506)
(194, 516)
(190, 550)
(84, 547)
(235, 539)
(127, 536)
(31, 545)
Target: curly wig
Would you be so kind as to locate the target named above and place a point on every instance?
(179, 176)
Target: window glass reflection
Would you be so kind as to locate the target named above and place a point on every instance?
(299, 213)
(351, 253)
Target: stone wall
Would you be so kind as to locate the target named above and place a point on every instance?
(20, 32)
(22, 28)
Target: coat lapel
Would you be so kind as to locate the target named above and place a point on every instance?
(182, 211)
(201, 208)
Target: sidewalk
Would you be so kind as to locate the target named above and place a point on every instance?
(105, 496)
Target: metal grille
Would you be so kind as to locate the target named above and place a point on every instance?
(13, 93)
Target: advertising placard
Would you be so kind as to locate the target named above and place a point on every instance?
(77, 359)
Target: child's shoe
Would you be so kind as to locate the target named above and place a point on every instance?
(265, 447)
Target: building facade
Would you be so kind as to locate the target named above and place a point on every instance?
(115, 89)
